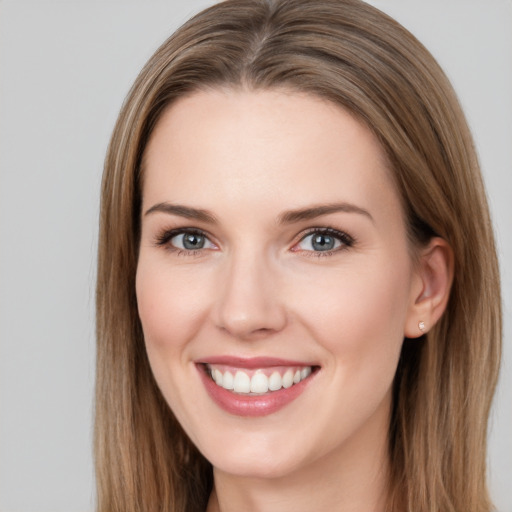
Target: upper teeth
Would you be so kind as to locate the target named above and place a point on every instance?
(241, 382)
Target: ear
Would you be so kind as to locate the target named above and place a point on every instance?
(430, 290)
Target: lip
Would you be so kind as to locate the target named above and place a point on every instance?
(252, 405)
(252, 363)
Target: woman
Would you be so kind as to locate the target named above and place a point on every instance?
(298, 293)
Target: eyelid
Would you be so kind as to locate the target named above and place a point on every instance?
(174, 241)
(345, 239)
(166, 235)
(164, 238)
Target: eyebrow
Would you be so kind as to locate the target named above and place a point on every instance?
(183, 211)
(313, 212)
(288, 217)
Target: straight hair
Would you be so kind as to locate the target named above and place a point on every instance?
(360, 59)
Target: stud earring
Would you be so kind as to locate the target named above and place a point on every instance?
(421, 326)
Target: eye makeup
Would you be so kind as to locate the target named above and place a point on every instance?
(191, 241)
(326, 240)
(188, 241)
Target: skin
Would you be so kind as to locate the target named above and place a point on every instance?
(259, 289)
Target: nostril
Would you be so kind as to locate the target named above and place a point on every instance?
(247, 304)
(246, 332)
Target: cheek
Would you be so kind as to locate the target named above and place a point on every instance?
(358, 318)
(170, 308)
(358, 315)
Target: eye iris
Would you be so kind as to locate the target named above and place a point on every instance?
(193, 241)
(322, 242)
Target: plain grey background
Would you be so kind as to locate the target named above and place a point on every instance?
(65, 67)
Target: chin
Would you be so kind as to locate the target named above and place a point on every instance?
(258, 456)
(255, 466)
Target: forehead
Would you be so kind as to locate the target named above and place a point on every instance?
(262, 149)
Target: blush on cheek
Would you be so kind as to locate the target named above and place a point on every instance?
(362, 315)
(169, 311)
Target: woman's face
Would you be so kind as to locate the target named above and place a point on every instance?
(273, 260)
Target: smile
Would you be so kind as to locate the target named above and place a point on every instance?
(259, 381)
(254, 387)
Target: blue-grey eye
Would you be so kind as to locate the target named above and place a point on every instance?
(191, 241)
(319, 242)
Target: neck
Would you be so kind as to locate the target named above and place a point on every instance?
(352, 478)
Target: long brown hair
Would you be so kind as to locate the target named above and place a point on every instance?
(357, 57)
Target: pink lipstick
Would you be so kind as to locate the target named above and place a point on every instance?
(254, 386)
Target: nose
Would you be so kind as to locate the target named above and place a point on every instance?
(248, 304)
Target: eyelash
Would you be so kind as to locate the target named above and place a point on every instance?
(347, 241)
(164, 239)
